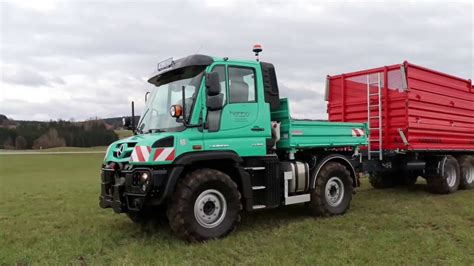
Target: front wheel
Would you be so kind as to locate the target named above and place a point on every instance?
(332, 194)
(205, 205)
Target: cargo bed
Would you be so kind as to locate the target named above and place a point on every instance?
(420, 109)
(304, 134)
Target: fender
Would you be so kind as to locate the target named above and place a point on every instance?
(338, 158)
(187, 159)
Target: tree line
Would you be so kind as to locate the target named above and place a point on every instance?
(42, 135)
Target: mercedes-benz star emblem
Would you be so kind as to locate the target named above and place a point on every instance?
(120, 150)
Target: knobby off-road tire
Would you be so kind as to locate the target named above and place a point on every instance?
(205, 205)
(382, 180)
(449, 179)
(466, 165)
(332, 194)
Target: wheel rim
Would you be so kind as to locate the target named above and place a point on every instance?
(334, 191)
(451, 176)
(469, 173)
(210, 208)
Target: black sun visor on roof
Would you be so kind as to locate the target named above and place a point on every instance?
(169, 65)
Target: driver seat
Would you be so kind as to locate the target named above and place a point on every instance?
(239, 91)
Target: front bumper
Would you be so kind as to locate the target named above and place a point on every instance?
(121, 191)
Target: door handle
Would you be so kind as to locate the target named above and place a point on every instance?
(257, 129)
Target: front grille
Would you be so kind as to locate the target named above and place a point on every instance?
(127, 151)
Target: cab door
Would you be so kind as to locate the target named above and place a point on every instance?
(244, 123)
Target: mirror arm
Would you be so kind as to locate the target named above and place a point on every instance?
(183, 96)
(132, 126)
(184, 120)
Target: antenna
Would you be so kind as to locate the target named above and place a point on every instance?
(257, 48)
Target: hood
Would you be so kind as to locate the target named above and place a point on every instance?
(153, 148)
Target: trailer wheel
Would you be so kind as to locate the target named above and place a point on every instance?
(206, 205)
(466, 164)
(332, 194)
(382, 180)
(449, 178)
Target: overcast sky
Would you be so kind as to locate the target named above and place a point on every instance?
(82, 59)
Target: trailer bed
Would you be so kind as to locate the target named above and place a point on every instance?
(421, 109)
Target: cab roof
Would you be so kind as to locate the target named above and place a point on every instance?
(196, 60)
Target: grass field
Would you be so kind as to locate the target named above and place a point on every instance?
(49, 214)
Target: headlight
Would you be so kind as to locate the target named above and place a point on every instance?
(144, 177)
(144, 181)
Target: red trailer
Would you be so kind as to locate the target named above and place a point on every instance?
(421, 122)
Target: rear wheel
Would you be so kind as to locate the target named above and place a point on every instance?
(466, 164)
(332, 194)
(449, 178)
(205, 205)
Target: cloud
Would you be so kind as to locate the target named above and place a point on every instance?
(28, 77)
(92, 59)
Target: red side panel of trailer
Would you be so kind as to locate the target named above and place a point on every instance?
(421, 109)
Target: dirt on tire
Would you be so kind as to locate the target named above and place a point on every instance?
(318, 204)
(181, 206)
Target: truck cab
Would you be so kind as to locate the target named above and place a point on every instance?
(215, 139)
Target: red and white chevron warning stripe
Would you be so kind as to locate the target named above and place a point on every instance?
(140, 154)
(357, 132)
(163, 154)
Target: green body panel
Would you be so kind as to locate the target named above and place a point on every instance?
(244, 127)
(304, 134)
(238, 120)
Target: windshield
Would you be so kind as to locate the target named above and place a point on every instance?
(156, 115)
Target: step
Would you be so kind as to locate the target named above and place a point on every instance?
(256, 207)
(258, 187)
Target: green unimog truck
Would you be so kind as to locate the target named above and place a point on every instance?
(216, 139)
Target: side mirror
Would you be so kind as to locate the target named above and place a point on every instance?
(213, 86)
(214, 103)
(215, 98)
(176, 110)
(126, 122)
(129, 123)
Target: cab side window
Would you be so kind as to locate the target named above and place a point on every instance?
(241, 85)
(221, 72)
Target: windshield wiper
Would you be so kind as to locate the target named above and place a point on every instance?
(154, 130)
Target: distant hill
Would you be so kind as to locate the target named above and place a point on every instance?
(19, 134)
(3, 118)
(111, 123)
